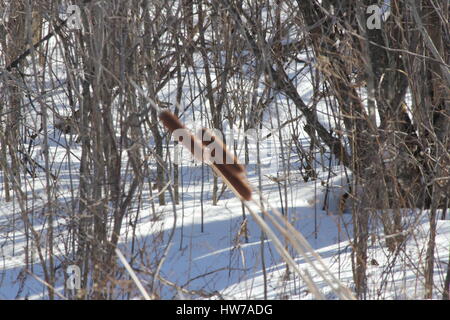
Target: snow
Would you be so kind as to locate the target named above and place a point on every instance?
(220, 262)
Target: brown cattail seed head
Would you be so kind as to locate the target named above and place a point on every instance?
(219, 157)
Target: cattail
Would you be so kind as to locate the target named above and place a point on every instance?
(182, 134)
(170, 121)
(227, 167)
(224, 156)
(237, 181)
(227, 164)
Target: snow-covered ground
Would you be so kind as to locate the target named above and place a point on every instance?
(221, 262)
